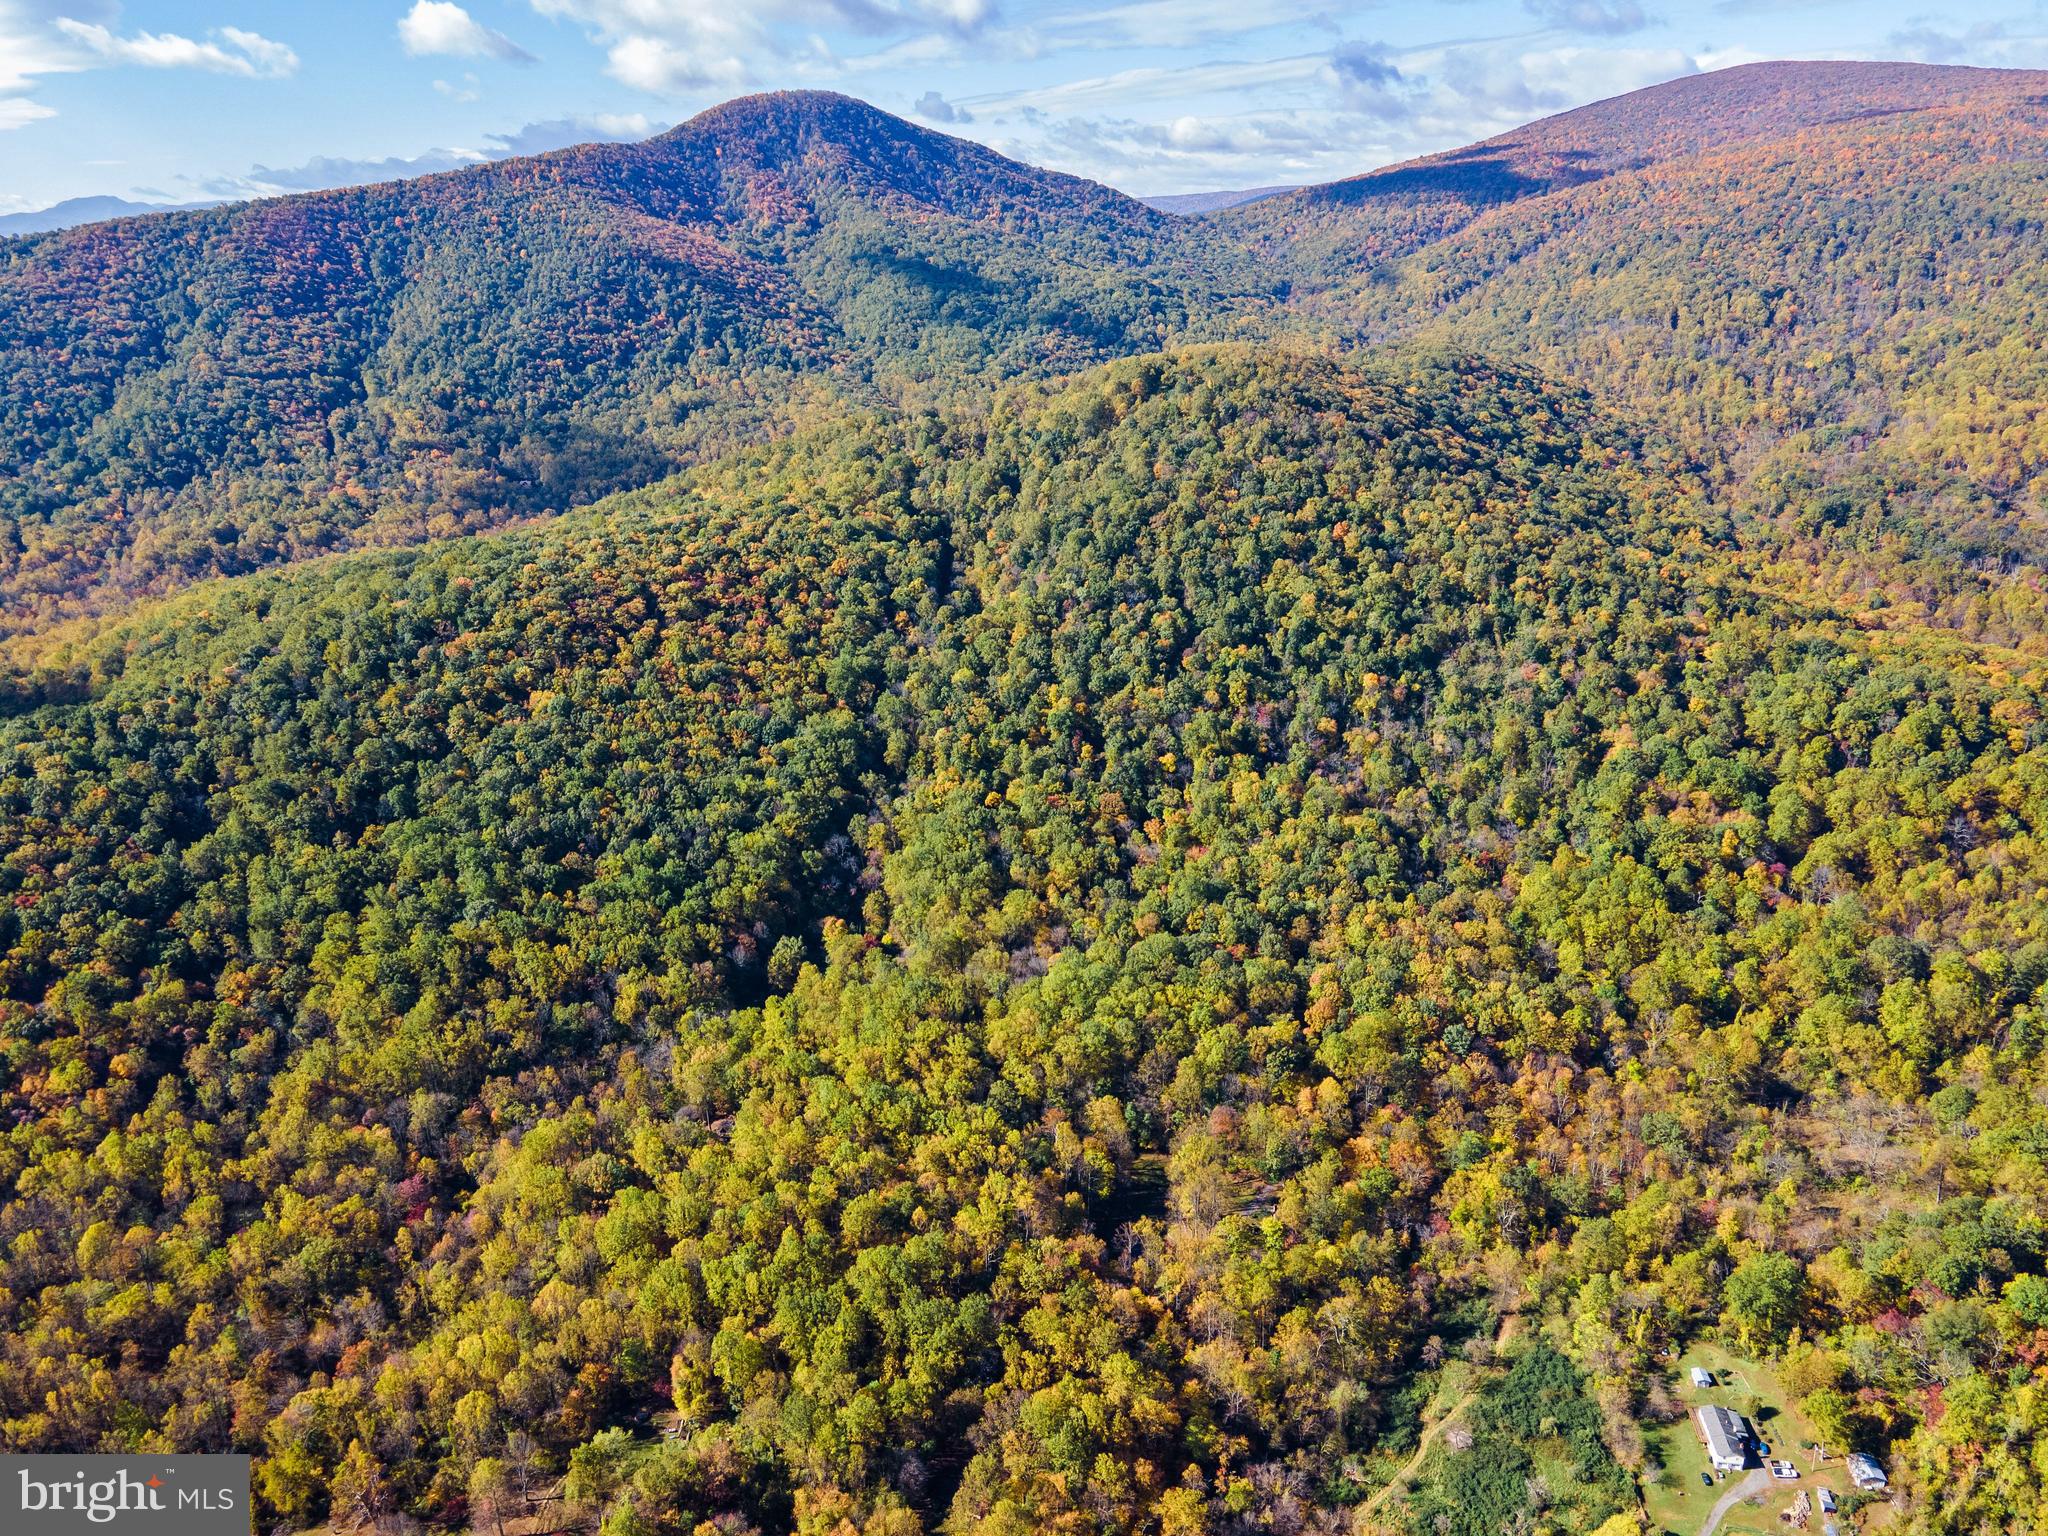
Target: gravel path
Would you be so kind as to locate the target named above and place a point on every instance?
(1756, 1482)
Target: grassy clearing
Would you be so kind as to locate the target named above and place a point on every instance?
(1535, 1454)
(1676, 1499)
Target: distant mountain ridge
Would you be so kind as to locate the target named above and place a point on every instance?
(1390, 211)
(1211, 202)
(205, 393)
(74, 211)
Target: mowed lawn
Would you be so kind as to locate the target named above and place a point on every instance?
(1678, 1501)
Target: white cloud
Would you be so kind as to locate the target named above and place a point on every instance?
(235, 53)
(1127, 87)
(1170, 23)
(325, 171)
(934, 108)
(1606, 16)
(23, 54)
(35, 40)
(1202, 153)
(912, 52)
(1320, 116)
(1712, 59)
(659, 66)
(439, 27)
(28, 52)
(270, 58)
(967, 14)
(670, 46)
(1991, 43)
(1546, 80)
(668, 18)
(561, 132)
(1366, 80)
(20, 111)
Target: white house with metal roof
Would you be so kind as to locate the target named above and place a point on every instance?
(1727, 1437)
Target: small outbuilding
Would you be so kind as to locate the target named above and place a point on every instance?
(1702, 1378)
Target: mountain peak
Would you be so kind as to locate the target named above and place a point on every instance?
(778, 148)
(781, 112)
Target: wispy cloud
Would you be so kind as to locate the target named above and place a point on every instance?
(26, 54)
(1598, 16)
(18, 111)
(1127, 87)
(561, 132)
(39, 38)
(1354, 106)
(1367, 80)
(324, 171)
(2020, 42)
(672, 46)
(1181, 23)
(226, 51)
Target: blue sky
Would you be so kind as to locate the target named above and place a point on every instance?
(174, 100)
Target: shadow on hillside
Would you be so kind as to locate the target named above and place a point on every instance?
(1482, 178)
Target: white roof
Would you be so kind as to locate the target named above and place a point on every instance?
(1725, 1433)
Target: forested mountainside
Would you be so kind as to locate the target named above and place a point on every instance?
(1815, 259)
(1841, 316)
(984, 920)
(1333, 229)
(207, 393)
(1837, 261)
(1047, 971)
